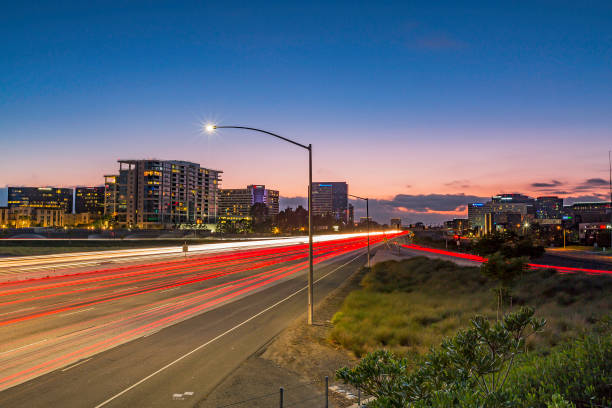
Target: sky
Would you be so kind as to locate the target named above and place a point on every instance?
(423, 106)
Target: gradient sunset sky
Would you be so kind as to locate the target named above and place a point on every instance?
(422, 105)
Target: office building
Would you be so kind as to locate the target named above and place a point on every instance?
(549, 208)
(590, 212)
(512, 198)
(476, 215)
(29, 217)
(52, 198)
(458, 225)
(89, 200)
(504, 211)
(155, 193)
(236, 203)
(4, 217)
(513, 203)
(330, 198)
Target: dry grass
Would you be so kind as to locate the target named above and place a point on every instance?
(411, 305)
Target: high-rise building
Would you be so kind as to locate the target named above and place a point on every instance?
(503, 211)
(476, 215)
(154, 193)
(89, 200)
(53, 198)
(550, 207)
(114, 206)
(236, 203)
(330, 198)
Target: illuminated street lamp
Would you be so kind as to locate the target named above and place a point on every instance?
(367, 200)
(211, 128)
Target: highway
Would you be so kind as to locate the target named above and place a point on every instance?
(161, 333)
(40, 266)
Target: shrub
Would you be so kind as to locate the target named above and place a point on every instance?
(472, 367)
(579, 371)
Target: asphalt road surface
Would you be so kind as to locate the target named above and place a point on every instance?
(160, 334)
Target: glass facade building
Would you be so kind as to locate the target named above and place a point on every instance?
(52, 198)
(330, 198)
(89, 200)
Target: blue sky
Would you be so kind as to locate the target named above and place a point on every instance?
(406, 98)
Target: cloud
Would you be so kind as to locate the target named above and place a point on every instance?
(553, 183)
(428, 208)
(591, 184)
(431, 202)
(596, 182)
(458, 183)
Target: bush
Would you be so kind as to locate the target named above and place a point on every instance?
(470, 368)
(579, 371)
(509, 245)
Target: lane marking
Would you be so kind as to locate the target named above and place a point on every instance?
(77, 364)
(184, 356)
(78, 311)
(122, 289)
(168, 290)
(27, 345)
(17, 311)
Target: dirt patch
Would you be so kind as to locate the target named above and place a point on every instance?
(299, 358)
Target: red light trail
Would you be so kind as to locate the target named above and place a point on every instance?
(476, 258)
(72, 317)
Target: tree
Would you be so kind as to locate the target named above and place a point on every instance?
(259, 216)
(290, 220)
(509, 245)
(504, 271)
(469, 369)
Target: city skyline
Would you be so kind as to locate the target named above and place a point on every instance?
(405, 103)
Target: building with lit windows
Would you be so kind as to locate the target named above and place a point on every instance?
(28, 217)
(590, 212)
(4, 217)
(504, 211)
(477, 215)
(89, 200)
(330, 198)
(549, 208)
(154, 193)
(235, 203)
(52, 198)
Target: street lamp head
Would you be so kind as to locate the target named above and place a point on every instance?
(210, 128)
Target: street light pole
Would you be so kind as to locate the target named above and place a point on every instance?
(367, 200)
(310, 255)
(211, 128)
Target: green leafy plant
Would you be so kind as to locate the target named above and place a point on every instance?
(475, 363)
